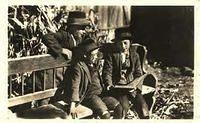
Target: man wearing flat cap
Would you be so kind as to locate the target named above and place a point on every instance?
(82, 84)
(122, 68)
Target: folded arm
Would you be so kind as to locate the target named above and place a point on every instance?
(107, 71)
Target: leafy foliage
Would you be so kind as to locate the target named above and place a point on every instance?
(28, 24)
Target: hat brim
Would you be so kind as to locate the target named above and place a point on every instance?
(87, 48)
(121, 39)
(123, 36)
(91, 48)
(81, 22)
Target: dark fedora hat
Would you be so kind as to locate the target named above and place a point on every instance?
(87, 46)
(122, 33)
(77, 18)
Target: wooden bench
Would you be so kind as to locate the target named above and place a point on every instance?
(33, 64)
(45, 62)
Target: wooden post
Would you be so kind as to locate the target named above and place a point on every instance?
(44, 86)
(10, 86)
(33, 81)
(54, 77)
(22, 80)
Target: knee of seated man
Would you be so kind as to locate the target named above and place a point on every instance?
(105, 115)
(110, 102)
(97, 104)
(125, 103)
(118, 112)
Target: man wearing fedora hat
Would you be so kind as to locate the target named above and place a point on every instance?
(122, 68)
(62, 42)
(82, 84)
(65, 39)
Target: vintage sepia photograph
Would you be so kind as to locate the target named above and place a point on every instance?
(100, 62)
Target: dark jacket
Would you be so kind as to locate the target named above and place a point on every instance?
(78, 83)
(76, 79)
(95, 87)
(112, 68)
(56, 41)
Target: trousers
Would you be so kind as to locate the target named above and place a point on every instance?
(101, 104)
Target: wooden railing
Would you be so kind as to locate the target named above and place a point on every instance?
(33, 64)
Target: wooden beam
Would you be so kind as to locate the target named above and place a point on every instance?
(22, 81)
(10, 86)
(35, 63)
(54, 77)
(33, 82)
(44, 80)
(30, 97)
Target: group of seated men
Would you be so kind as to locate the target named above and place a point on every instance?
(83, 84)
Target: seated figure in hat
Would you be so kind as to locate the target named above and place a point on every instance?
(122, 68)
(82, 84)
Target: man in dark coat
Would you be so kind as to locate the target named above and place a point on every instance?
(82, 84)
(124, 68)
(66, 38)
(61, 43)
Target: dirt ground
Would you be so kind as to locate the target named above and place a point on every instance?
(174, 96)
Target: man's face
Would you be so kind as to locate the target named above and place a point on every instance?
(92, 57)
(124, 45)
(78, 31)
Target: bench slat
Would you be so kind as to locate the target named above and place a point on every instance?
(30, 97)
(35, 63)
